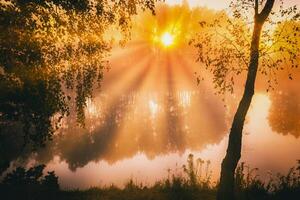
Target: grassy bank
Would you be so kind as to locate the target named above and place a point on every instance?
(192, 184)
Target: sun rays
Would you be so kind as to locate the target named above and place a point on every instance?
(154, 106)
(149, 110)
(149, 101)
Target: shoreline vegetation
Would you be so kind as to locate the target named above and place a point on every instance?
(193, 183)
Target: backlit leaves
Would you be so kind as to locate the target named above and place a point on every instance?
(224, 45)
(52, 55)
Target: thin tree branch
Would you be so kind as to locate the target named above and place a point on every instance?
(256, 8)
(236, 48)
(266, 11)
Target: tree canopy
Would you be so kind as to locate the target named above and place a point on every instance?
(52, 56)
(223, 45)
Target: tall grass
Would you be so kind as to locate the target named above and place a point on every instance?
(192, 182)
(285, 187)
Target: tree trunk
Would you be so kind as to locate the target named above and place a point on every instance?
(233, 154)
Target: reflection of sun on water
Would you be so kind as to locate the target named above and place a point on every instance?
(91, 109)
(185, 98)
(153, 106)
(259, 111)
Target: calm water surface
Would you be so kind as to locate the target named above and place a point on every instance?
(150, 114)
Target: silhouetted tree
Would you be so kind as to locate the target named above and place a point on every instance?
(285, 109)
(29, 184)
(227, 49)
(51, 181)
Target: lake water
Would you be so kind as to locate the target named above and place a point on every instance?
(149, 116)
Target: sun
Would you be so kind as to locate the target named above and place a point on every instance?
(167, 39)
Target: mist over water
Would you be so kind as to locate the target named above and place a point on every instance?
(140, 132)
(149, 114)
(133, 159)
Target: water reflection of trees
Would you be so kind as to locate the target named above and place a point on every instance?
(155, 123)
(284, 116)
(149, 123)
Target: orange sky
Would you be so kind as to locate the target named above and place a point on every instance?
(217, 4)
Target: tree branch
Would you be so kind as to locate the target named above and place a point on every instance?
(256, 8)
(266, 11)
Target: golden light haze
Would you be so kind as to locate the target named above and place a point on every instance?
(215, 4)
(212, 4)
(149, 113)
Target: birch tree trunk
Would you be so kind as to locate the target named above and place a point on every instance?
(233, 154)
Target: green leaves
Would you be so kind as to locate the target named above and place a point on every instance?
(224, 45)
(222, 49)
(52, 54)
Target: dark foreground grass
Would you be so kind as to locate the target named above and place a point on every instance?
(193, 184)
(144, 193)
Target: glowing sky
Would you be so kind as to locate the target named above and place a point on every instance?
(216, 4)
(213, 4)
